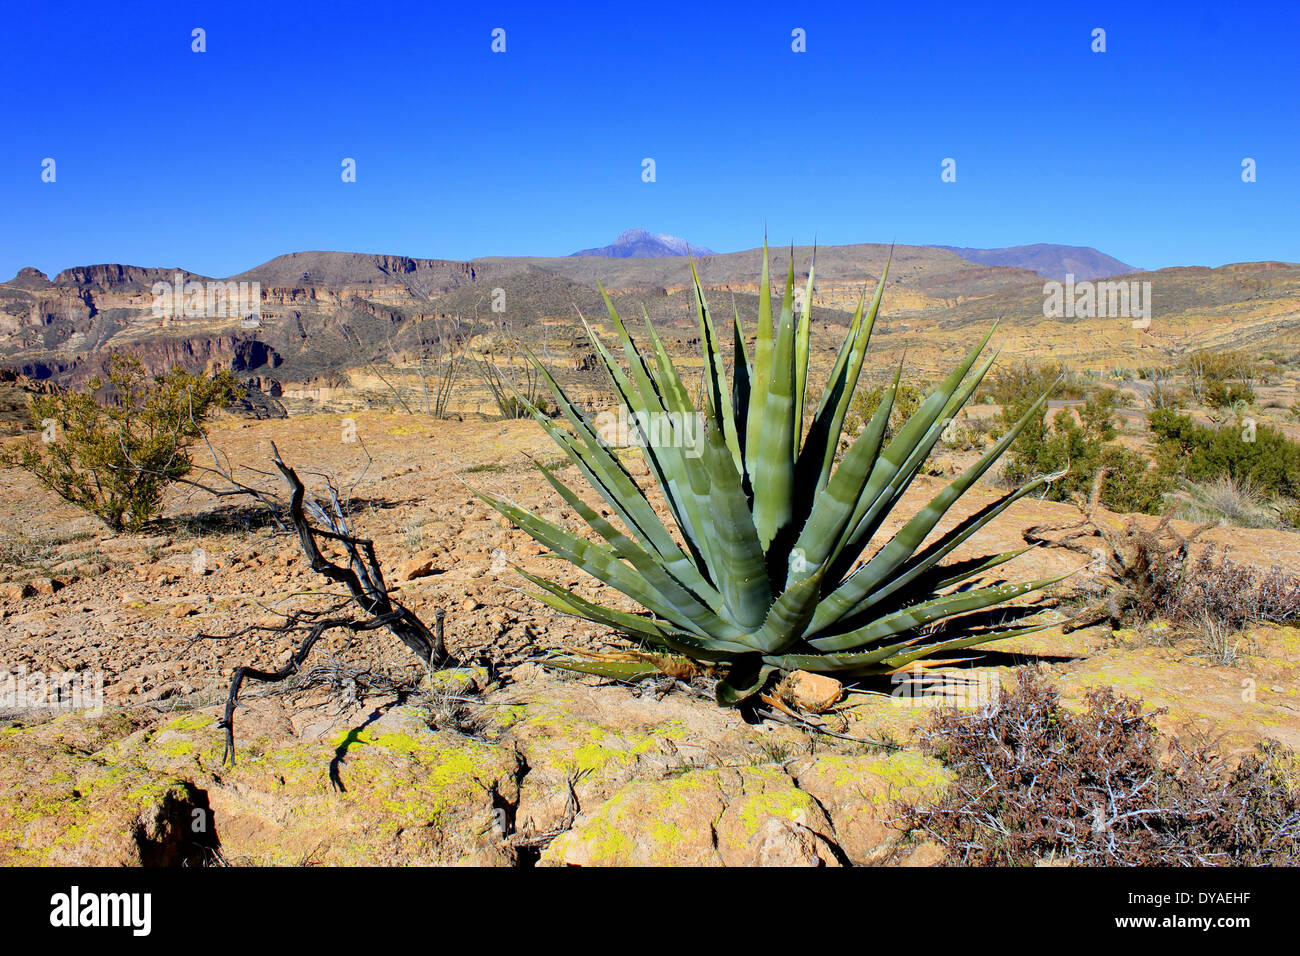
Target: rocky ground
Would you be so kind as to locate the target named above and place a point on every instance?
(500, 761)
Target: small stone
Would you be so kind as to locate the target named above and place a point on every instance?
(16, 590)
(815, 693)
(419, 566)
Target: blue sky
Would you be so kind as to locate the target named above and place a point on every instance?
(218, 161)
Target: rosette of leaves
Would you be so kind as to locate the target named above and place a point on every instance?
(774, 558)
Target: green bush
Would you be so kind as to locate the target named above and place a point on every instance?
(1261, 456)
(113, 448)
(1209, 373)
(1220, 394)
(1130, 484)
(1021, 383)
(907, 399)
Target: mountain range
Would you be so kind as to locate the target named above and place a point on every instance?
(1049, 260)
(640, 244)
(322, 316)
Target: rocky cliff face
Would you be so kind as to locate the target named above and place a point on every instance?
(303, 316)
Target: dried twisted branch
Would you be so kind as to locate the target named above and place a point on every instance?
(359, 572)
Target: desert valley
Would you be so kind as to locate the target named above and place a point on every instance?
(405, 386)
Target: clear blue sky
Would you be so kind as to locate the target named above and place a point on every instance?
(221, 160)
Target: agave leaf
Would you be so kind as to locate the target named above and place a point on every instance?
(744, 680)
(891, 478)
(893, 657)
(740, 391)
(927, 612)
(763, 349)
(635, 625)
(674, 604)
(907, 449)
(788, 617)
(924, 560)
(802, 334)
(634, 405)
(939, 578)
(908, 656)
(742, 569)
(676, 397)
(664, 460)
(773, 476)
(836, 504)
(675, 458)
(613, 670)
(818, 452)
(654, 571)
(609, 477)
(719, 396)
(846, 598)
(569, 602)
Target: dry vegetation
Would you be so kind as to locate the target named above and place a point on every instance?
(1037, 782)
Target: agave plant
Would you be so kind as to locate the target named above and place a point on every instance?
(773, 563)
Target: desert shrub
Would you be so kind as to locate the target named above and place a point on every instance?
(1155, 373)
(1164, 395)
(114, 447)
(1146, 574)
(1022, 382)
(1232, 593)
(1209, 371)
(1228, 501)
(907, 399)
(963, 434)
(1036, 781)
(1262, 456)
(1220, 394)
(1129, 482)
(1097, 413)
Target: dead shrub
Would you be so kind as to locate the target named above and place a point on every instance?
(1037, 782)
(1140, 575)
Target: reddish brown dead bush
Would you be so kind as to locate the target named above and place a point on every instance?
(1037, 782)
